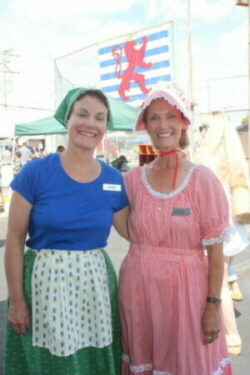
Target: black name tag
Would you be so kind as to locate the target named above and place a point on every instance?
(181, 211)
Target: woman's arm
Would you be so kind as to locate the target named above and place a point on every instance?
(19, 215)
(120, 222)
(211, 318)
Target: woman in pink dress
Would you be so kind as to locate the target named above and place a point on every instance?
(171, 279)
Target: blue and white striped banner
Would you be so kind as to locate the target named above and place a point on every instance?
(130, 66)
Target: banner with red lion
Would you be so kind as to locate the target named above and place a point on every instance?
(131, 64)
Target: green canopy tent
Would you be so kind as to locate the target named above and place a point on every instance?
(123, 118)
(44, 126)
(123, 115)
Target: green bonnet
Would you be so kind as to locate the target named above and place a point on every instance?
(65, 106)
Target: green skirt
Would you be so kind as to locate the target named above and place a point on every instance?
(21, 358)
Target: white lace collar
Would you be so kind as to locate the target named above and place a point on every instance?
(172, 193)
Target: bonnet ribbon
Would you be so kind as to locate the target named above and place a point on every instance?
(174, 151)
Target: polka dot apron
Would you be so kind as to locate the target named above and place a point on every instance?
(70, 301)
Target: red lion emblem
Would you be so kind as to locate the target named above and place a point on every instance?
(135, 58)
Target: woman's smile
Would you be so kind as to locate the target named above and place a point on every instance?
(87, 123)
(164, 124)
(87, 133)
(165, 135)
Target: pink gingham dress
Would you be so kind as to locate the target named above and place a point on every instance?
(164, 278)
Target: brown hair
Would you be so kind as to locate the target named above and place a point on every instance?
(94, 93)
(184, 140)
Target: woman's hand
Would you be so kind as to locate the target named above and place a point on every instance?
(211, 320)
(211, 323)
(19, 216)
(18, 317)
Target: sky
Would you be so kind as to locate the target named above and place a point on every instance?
(38, 33)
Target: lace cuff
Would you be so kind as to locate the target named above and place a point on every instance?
(223, 236)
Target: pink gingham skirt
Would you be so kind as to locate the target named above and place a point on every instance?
(162, 294)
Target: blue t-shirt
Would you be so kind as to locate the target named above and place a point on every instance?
(66, 214)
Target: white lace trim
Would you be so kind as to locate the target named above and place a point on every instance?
(172, 98)
(223, 363)
(224, 236)
(162, 95)
(148, 367)
(142, 368)
(174, 192)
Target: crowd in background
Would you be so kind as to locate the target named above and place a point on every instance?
(12, 160)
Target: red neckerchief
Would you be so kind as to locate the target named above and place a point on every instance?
(174, 151)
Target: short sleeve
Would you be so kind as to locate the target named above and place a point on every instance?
(25, 182)
(213, 207)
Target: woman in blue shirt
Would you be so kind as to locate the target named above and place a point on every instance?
(63, 315)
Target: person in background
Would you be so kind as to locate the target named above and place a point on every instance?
(234, 288)
(5, 159)
(221, 150)
(1, 192)
(60, 148)
(5, 156)
(170, 281)
(26, 153)
(121, 163)
(36, 154)
(17, 163)
(5, 176)
(63, 313)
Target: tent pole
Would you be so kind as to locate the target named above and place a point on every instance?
(13, 149)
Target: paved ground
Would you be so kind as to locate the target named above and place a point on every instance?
(117, 249)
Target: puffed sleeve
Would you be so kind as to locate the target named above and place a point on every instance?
(213, 207)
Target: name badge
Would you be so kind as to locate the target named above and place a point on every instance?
(111, 187)
(181, 211)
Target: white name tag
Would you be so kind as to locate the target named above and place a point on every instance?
(111, 187)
